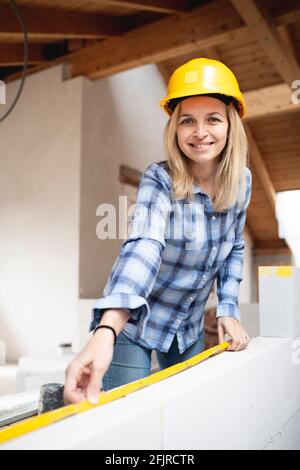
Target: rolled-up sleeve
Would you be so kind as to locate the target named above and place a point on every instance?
(135, 270)
(231, 273)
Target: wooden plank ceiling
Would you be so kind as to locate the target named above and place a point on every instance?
(258, 39)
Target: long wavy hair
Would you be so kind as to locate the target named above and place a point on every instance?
(229, 182)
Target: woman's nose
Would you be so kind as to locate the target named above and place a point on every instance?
(200, 130)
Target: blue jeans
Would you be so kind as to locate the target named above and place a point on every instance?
(133, 362)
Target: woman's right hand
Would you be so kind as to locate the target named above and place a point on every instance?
(84, 374)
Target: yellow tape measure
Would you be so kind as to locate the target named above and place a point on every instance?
(38, 422)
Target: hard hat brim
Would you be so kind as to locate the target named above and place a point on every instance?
(164, 103)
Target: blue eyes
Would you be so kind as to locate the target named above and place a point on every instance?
(210, 119)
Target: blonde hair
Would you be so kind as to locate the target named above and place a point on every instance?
(230, 185)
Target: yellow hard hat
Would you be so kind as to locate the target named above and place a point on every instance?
(203, 76)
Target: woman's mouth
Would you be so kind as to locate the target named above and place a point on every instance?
(201, 146)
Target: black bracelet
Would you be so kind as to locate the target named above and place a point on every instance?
(109, 328)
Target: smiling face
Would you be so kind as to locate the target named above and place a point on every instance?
(202, 129)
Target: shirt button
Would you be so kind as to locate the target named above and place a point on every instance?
(213, 218)
(204, 277)
(214, 248)
(177, 322)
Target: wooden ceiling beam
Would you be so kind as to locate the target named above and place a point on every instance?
(288, 11)
(157, 6)
(158, 41)
(212, 53)
(161, 40)
(285, 34)
(53, 24)
(260, 167)
(13, 54)
(263, 28)
(268, 101)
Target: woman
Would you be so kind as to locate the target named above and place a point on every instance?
(187, 232)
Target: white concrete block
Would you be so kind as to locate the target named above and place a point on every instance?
(8, 375)
(287, 438)
(235, 400)
(250, 318)
(295, 431)
(16, 405)
(282, 440)
(124, 424)
(33, 372)
(2, 353)
(232, 401)
(34, 382)
(279, 301)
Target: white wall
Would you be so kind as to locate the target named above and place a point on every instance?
(39, 215)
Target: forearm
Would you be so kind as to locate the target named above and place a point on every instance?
(116, 318)
(86, 371)
(228, 283)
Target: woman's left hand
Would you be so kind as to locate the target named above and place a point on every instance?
(234, 329)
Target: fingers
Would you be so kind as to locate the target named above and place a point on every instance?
(94, 385)
(234, 329)
(73, 393)
(220, 333)
(239, 342)
(85, 373)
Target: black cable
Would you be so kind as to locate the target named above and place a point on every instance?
(26, 47)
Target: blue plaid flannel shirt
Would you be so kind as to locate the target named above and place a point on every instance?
(167, 266)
